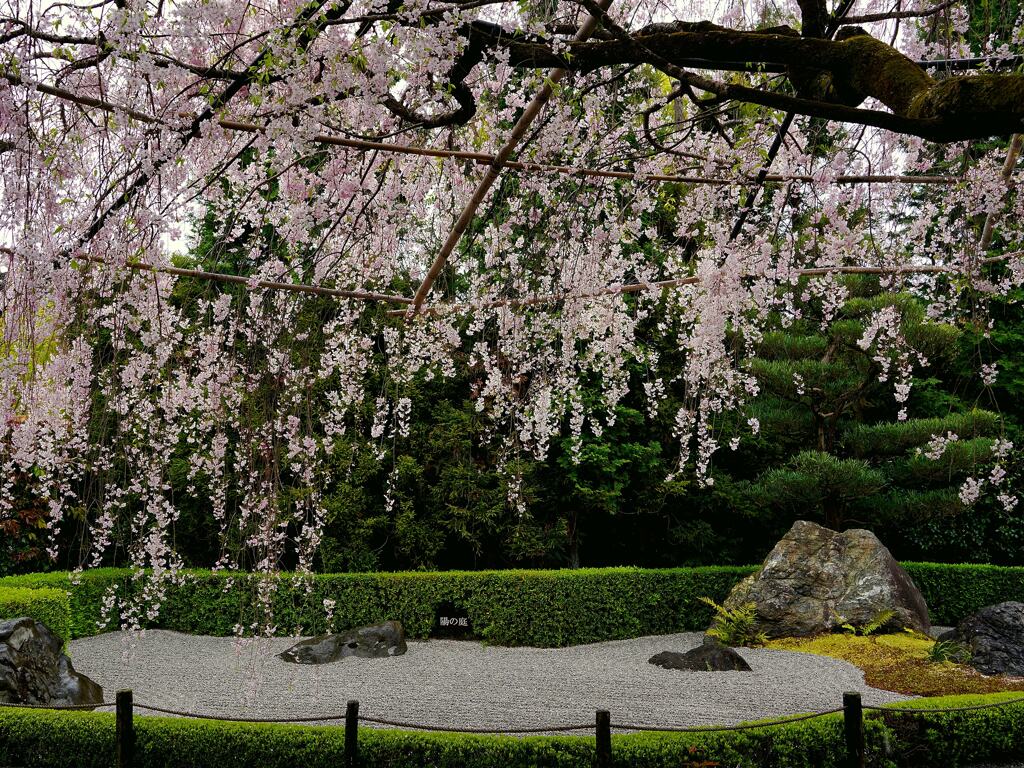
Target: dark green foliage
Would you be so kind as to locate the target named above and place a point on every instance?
(992, 735)
(538, 608)
(50, 606)
(820, 485)
(897, 438)
(953, 592)
(620, 472)
(42, 739)
(842, 456)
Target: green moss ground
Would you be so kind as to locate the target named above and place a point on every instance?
(899, 663)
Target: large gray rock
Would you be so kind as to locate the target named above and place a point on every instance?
(817, 579)
(995, 637)
(712, 656)
(34, 671)
(378, 641)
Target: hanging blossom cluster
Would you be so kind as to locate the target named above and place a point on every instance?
(247, 141)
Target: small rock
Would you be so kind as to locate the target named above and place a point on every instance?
(34, 671)
(712, 656)
(378, 641)
(995, 637)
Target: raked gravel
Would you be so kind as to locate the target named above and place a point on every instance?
(464, 684)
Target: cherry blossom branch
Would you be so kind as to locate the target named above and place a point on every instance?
(1011, 162)
(494, 169)
(684, 281)
(220, 277)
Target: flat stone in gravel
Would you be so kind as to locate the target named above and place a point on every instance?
(465, 684)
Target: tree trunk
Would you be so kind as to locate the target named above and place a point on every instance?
(574, 542)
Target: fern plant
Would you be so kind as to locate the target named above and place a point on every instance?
(735, 626)
(880, 620)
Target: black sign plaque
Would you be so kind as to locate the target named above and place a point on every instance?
(452, 621)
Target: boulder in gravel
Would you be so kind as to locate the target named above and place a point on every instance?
(712, 656)
(378, 641)
(995, 637)
(33, 670)
(817, 579)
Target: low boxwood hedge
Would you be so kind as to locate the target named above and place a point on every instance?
(956, 737)
(541, 608)
(953, 592)
(50, 606)
(538, 608)
(46, 739)
(43, 739)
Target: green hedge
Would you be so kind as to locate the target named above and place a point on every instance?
(994, 735)
(953, 592)
(538, 608)
(40, 739)
(45, 739)
(49, 606)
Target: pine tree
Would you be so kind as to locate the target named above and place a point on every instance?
(852, 461)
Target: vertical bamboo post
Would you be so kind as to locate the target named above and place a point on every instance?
(604, 738)
(853, 726)
(352, 734)
(124, 731)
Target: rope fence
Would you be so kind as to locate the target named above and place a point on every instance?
(914, 710)
(852, 710)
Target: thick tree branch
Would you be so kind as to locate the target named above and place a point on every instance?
(888, 15)
(857, 67)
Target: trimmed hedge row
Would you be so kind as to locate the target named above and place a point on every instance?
(40, 739)
(538, 608)
(953, 592)
(50, 606)
(932, 739)
(46, 739)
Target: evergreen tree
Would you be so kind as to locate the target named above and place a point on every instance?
(854, 461)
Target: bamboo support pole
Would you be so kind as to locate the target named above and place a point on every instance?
(484, 158)
(528, 301)
(616, 290)
(220, 277)
(1011, 162)
(494, 169)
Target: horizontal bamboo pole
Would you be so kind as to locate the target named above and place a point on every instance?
(528, 301)
(483, 158)
(221, 277)
(616, 290)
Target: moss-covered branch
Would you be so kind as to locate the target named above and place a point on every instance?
(849, 70)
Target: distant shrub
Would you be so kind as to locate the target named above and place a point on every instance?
(50, 606)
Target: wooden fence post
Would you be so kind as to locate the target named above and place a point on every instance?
(853, 725)
(352, 734)
(604, 738)
(124, 731)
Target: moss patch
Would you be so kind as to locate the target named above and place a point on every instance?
(899, 662)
